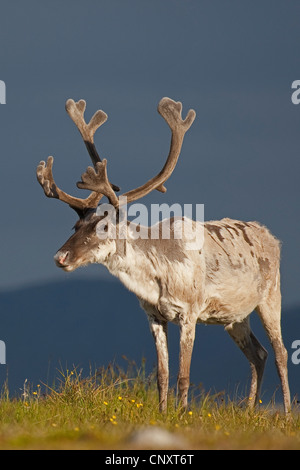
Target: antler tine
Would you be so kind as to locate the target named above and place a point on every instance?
(96, 180)
(87, 130)
(76, 112)
(46, 180)
(171, 111)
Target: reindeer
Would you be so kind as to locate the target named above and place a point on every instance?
(235, 272)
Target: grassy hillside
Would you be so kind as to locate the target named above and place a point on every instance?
(90, 324)
(110, 408)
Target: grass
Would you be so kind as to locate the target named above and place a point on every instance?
(104, 410)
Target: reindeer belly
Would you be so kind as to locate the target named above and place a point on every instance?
(231, 298)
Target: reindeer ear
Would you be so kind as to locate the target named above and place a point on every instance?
(81, 212)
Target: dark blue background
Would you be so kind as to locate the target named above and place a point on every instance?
(233, 62)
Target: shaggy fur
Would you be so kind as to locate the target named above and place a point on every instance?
(235, 272)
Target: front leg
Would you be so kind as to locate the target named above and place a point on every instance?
(187, 337)
(159, 329)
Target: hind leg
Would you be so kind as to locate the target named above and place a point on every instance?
(255, 353)
(270, 314)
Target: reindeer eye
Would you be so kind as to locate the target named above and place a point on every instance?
(102, 229)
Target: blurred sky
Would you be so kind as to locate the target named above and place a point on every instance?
(233, 62)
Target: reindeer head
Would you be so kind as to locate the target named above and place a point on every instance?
(87, 245)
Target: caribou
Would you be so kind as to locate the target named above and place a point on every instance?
(235, 271)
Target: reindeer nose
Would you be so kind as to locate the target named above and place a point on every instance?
(61, 258)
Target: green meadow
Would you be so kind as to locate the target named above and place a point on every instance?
(107, 408)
